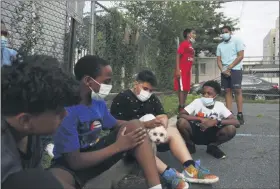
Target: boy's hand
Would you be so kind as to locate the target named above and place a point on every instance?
(153, 123)
(206, 123)
(130, 140)
(226, 73)
(177, 73)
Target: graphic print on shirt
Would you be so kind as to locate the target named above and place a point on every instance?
(206, 113)
(89, 133)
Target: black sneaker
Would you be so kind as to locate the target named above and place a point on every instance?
(240, 118)
(191, 148)
(215, 151)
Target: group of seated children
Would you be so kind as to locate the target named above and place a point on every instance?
(39, 98)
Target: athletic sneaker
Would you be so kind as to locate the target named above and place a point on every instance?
(174, 178)
(240, 118)
(215, 151)
(197, 175)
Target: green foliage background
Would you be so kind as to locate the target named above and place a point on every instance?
(153, 28)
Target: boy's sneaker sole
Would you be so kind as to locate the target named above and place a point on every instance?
(200, 181)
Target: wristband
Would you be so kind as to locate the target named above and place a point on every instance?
(219, 124)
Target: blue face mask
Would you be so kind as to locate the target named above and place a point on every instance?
(225, 36)
(4, 42)
(207, 101)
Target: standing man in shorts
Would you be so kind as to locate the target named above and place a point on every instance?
(230, 53)
(184, 61)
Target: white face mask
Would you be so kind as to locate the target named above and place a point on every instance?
(192, 40)
(225, 36)
(207, 101)
(103, 91)
(144, 95)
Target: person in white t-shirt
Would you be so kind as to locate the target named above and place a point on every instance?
(207, 122)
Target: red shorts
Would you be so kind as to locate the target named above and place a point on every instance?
(184, 82)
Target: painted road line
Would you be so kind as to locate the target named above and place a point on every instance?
(256, 135)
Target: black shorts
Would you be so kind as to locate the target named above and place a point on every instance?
(163, 147)
(84, 175)
(233, 81)
(203, 137)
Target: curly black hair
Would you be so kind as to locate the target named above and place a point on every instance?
(226, 27)
(36, 84)
(89, 65)
(147, 76)
(214, 84)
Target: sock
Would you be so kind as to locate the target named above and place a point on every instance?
(167, 168)
(239, 112)
(156, 187)
(188, 163)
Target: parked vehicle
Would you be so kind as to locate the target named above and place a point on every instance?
(253, 87)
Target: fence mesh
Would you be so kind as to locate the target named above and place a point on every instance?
(40, 27)
(62, 29)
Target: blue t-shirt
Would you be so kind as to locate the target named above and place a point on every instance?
(7, 56)
(228, 52)
(81, 127)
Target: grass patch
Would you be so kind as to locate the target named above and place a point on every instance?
(170, 103)
(46, 160)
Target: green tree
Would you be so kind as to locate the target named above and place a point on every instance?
(110, 44)
(165, 21)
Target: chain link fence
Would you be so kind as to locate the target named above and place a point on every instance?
(42, 27)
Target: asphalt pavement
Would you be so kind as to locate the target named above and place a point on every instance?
(252, 156)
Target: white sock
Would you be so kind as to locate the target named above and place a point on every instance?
(156, 187)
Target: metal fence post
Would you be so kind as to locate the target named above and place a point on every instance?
(71, 52)
(92, 28)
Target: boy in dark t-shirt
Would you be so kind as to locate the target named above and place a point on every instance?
(34, 93)
(139, 101)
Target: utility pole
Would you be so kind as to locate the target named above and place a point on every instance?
(92, 28)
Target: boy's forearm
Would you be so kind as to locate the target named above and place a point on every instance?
(82, 160)
(239, 58)
(229, 122)
(189, 117)
(219, 63)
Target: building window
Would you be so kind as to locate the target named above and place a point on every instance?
(203, 68)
